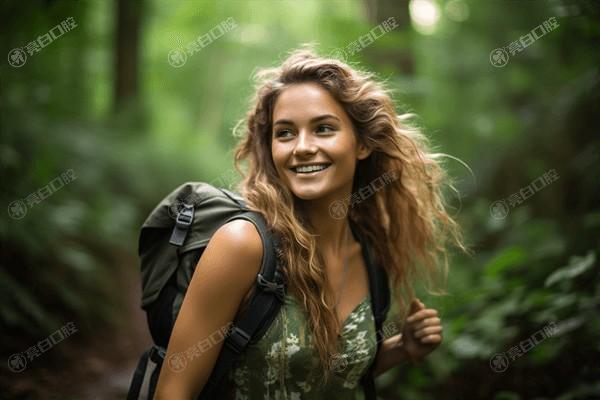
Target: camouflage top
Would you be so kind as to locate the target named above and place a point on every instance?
(283, 364)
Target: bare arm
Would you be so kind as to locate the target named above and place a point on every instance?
(391, 354)
(421, 334)
(224, 275)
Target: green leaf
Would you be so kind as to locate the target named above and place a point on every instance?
(506, 259)
(468, 346)
(577, 266)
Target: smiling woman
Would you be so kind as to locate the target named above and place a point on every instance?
(321, 134)
(336, 175)
(314, 146)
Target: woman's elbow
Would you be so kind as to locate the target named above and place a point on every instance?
(171, 395)
(164, 391)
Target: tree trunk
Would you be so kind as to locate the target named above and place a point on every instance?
(128, 20)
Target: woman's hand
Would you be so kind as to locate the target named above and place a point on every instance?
(422, 332)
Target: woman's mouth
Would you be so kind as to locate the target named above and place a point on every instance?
(310, 170)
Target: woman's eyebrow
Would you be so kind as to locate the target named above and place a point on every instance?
(313, 120)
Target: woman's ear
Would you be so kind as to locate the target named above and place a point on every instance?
(363, 151)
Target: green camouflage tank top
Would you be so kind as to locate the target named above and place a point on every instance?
(283, 364)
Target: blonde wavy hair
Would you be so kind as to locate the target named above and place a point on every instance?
(405, 222)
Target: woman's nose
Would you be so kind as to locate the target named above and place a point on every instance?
(305, 144)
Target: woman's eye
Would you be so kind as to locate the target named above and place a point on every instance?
(282, 132)
(327, 127)
(279, 134)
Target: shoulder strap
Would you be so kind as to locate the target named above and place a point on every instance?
(262, 308)
(265, 304)
(380, 303)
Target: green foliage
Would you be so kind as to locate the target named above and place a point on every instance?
(66, 259)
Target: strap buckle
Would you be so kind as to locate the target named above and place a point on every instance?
(182, 224)
(157, 354)
(185, 216)
(237, 339)
(278, 289)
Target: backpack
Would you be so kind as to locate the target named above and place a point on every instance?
(171, 242)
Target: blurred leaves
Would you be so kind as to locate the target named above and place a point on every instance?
(577, 266)
(66, 258)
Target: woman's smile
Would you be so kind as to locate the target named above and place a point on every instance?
(314, 145)
(302, 172)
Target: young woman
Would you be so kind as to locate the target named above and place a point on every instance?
(330, 162)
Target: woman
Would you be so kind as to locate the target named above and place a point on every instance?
(330, 161)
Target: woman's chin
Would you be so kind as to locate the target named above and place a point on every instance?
(309, 194)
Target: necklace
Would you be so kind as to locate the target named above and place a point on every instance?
(345, 273)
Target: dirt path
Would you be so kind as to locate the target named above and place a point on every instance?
(90, 368)
(113, 371)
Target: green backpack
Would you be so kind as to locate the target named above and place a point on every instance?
(171, 242)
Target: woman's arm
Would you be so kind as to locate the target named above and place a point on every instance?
(422, 332)
(225, 273)
(392, 353)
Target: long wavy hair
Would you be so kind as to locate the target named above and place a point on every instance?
(405, 221)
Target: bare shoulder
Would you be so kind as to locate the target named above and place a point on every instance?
(241, 240)
(238, 238)
(225, 272)
(237, 248)
(240, 232)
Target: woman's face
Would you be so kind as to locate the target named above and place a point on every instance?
(310, 128)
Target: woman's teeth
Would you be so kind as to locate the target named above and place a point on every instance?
(310, 168)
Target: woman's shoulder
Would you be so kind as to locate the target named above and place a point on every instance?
(241, 235)
(239, 239)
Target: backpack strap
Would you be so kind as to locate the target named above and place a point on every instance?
(380, 303)
(262, 308)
